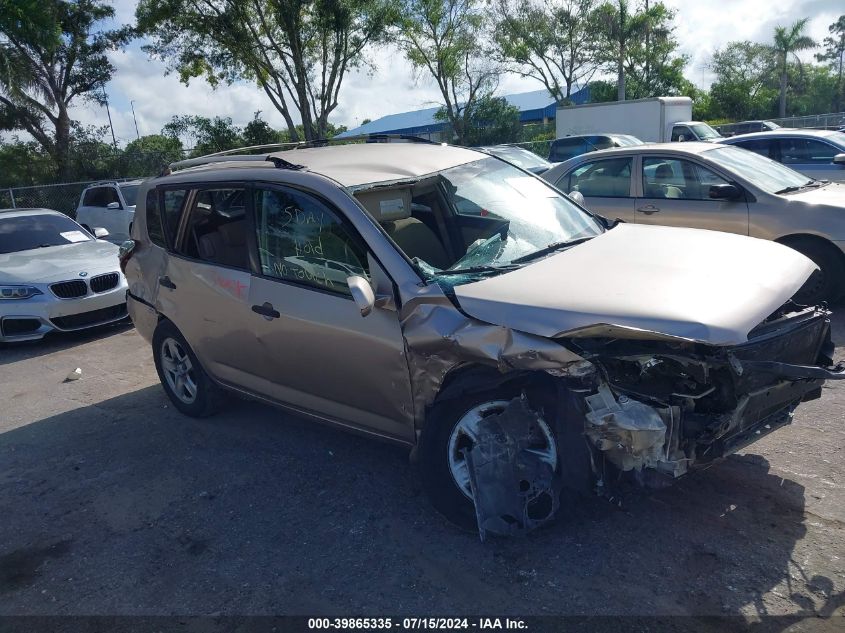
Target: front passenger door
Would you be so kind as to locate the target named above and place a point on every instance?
(312, 348)
(676, 192)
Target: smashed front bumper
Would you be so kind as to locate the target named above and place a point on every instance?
(675, 407)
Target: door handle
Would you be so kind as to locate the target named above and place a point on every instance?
(267, 311)
(165, 281)
(648, 209)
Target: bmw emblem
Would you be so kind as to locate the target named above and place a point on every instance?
(83, 274)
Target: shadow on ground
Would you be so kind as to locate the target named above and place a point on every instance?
(127, 507)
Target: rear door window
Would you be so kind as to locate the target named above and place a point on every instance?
(609, 178)
(764, 147)
(216, 230)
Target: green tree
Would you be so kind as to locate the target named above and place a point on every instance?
(653, 67)
(447, 40)
(206, 136)
(552, 42)
(52, 55)
(491, 120)
(297, 51)
(617, 25)
(149, 155)
(788, 42)
(834, 54)
(24, 163)
(259, 132)
(744, 78)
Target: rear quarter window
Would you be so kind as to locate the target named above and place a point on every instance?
(155, 226)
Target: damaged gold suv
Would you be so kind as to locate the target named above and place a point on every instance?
(447, 300)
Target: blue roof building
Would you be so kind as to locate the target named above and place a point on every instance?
(537, 106)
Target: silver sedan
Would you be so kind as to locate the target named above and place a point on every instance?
(722, 188)
(54, 275)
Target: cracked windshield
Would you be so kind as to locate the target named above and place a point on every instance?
(505, 218)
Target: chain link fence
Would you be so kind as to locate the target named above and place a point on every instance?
(832, 121)
(62, 197)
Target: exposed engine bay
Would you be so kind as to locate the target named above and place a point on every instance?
(665, 407)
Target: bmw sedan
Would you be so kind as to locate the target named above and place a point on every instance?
(722, 188)
(54, 275)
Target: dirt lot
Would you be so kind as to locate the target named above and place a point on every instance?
(114, 503)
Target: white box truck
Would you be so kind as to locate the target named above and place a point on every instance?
(656, 120)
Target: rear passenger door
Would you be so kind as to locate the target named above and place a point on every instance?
(676, 192)
(605, 185)
(308, 344)
(204, 286)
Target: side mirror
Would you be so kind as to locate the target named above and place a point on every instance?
(725, 192)
(100, 233)
(362, 293)
(839, 159)
(577, 197)
(113, 205)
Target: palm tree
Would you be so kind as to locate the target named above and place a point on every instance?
(788, 41)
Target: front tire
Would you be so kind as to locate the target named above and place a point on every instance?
(183, 378)
(824, 284)
(449, 430)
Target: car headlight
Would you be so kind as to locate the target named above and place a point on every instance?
(18, 292)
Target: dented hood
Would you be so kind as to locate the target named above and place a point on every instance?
(681, 283)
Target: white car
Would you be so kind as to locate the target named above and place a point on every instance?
(110, 205)
(55, 276)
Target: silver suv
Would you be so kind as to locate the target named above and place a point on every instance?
(448, 301)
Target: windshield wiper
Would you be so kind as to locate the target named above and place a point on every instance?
(807, 185)
(551, 248)
(474, 269)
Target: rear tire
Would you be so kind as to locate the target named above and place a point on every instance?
(183, 378)
(825, 284)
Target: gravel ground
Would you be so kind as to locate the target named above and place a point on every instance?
(114, 503)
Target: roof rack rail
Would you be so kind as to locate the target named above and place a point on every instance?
(235, 154)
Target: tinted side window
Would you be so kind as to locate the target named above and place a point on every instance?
(602, 178)
(216, 231)
(96, 197)
(681, 130)
(677, 179)
(758, 146)
(301, 240)
(804, 150)
(564, 149)
(155, 228)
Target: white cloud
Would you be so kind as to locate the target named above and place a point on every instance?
(392, 86)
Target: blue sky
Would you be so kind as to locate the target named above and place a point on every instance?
(701, 27)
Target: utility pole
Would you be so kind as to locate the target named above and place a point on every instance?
(108, 112)
(132, 105)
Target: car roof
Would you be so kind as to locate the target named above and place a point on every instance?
(121, 183)
(353, 165)
(786, 132)
(691, 147)
(28, 211)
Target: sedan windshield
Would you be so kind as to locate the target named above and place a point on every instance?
(23, 233)
(760, 171)
(704, 131)
(521, 217)
(518, 156)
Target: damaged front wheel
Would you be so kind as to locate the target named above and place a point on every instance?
(488, 460)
